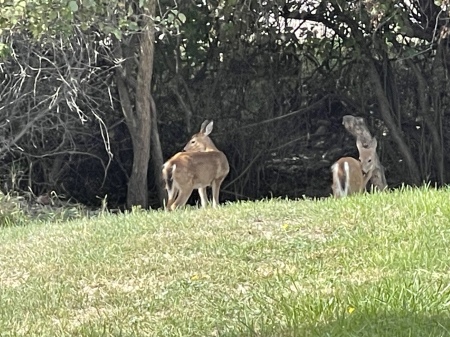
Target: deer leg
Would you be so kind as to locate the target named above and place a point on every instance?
(171, 198)
(183, 196)
(203, 196)
(366, 179)
(215, 191)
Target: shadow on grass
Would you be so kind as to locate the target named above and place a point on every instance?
(400, 324)
(390, 324)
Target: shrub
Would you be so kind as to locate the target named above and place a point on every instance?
(11, 212)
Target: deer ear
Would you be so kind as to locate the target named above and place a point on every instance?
(208, 128)
(203, 127)
(359, 144)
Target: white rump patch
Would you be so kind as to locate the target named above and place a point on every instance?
(341, 191)
(347, 178)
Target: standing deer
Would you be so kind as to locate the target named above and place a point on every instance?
(350, 175)
(358, 129)
(199, 166)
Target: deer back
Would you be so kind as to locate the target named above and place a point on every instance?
(198, 169)
(201, 160)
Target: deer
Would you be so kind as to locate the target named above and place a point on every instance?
(351, 175)
(358, 129)
(198, 166)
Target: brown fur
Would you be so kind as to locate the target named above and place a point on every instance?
(200, 142)
(348, 177)
(202, 165)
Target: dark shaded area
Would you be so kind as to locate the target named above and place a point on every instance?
(276, 78)
(399, 324)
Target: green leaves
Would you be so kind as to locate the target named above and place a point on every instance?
(182, 17)
(73, 6)
(38, 17)
(54, 18)
(4, 49)
(11, 12)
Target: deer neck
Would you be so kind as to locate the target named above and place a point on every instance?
(210, 146)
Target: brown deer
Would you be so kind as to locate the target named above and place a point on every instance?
(350, 175)
(199, 166)
(358, 129)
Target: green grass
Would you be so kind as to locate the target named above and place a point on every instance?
(370, 265)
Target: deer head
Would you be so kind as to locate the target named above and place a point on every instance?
(358, 128)
(200, 142)
(368, 155)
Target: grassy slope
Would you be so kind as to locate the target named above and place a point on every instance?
(372, 265)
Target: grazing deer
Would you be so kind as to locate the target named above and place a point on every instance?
(350, 175)
(199, 166)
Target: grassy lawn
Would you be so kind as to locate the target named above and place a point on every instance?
(371, 265)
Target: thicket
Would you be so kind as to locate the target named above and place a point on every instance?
(276, 77)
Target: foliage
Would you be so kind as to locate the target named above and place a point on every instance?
(60, 113)
(276, 77)
(369, 265)
(48, 19)
(11, 214)
(19, 210)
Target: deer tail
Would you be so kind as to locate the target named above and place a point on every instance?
(167, 175)
(341, 177)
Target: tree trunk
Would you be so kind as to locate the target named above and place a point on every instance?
(156, 152)
(141, 124)
(429, 119)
